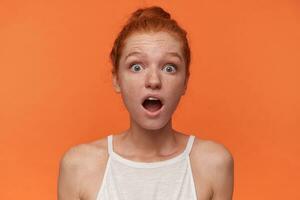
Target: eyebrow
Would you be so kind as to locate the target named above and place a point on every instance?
(175, 54)
(132, 54)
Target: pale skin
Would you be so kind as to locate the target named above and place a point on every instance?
(150, 63)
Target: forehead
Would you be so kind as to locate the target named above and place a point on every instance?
(152, 42)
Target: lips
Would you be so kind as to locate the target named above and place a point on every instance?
(154, 96)
(152, 103)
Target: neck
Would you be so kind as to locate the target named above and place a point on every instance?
(152, 142)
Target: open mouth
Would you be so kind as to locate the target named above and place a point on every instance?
(152, 105)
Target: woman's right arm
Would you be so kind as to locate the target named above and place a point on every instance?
(69, 176)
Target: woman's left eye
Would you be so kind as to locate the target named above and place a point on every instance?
(170, 68)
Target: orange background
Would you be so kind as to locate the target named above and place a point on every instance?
(56, 89)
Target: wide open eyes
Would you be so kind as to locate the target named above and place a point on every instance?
(135, 67)
(170, 68)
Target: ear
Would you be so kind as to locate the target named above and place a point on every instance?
(116, 83)
(185, 86)
(184, 90)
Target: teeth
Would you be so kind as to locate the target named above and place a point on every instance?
(152, 98)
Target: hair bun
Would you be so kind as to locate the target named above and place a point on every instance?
(150, 12)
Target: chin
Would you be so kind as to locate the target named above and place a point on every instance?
(152, 124)
(152, 127)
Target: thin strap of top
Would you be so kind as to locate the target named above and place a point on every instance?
(186, 151)
(189, 144)
(110, 144)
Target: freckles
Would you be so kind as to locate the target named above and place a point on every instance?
(134, 80)
(131, 86)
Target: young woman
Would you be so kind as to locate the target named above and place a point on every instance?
(149, 160)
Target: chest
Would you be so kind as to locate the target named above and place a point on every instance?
(94, 180)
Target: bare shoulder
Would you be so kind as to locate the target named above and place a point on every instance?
(84, 155)
(215, 164)
(78, 164)
(214, 153)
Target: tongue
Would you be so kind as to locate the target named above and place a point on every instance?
(152, 106)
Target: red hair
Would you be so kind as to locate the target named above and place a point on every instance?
(151, 19)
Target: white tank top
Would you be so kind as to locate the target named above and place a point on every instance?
(163, 180)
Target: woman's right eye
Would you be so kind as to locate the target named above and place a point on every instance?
(135, 67)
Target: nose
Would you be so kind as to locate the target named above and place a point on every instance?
(153, 80)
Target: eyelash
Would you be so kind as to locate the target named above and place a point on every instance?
(168, 64)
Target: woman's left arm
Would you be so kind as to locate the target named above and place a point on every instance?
(223, 175)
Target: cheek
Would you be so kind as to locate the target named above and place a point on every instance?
(131, 90)
(175, 90)
(130, 83)
(175, 84)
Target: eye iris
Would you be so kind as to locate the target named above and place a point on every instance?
(136, 67)
(169, 68)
